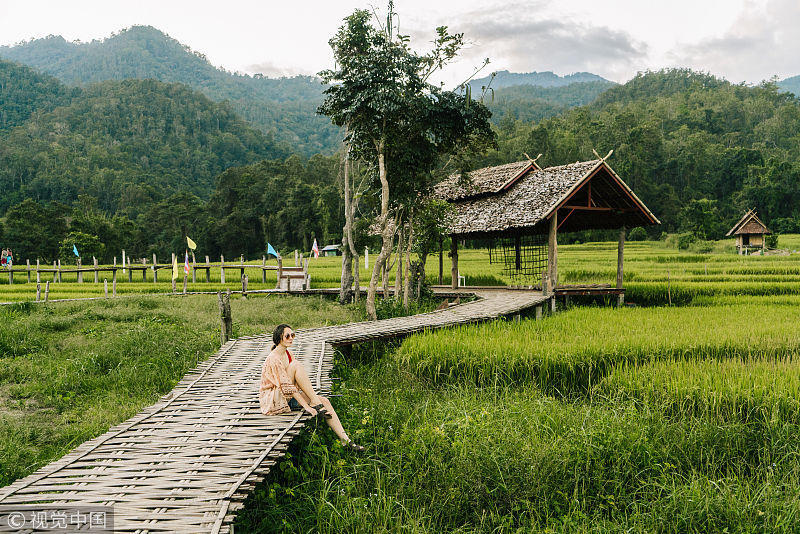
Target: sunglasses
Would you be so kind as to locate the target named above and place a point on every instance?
(289, 336)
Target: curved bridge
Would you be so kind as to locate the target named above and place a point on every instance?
(186, 463)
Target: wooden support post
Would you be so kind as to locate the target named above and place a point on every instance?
(222, 269)
(296, 258)
(123, 261)
(552, 254)
(11, 276)
(263, 269)
(538, 312)
(155, 269)
(366, 258)
(208, 270)
(105, 286)
(130, 271)
(57, 271)
(185, 280)
(620, 254)
(194, 269)
(241, 262)
(441, 260)
(28, 269)
(96, 273)
(280, 273)
(225, 319)
(46, 291)
(144, 269)
(38, 276)
(114, 284)
(454, 261)
(80, 272)
(38, 291)
(244, 286)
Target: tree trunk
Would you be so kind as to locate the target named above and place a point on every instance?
(421, 280)
(386, 233)
(347, 264)
(409, 276)
(398, 277)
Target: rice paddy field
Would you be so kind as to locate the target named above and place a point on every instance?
(655, 418)
(679, 414)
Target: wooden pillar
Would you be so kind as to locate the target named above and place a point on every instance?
(114, 283)
(241, 262)
(155, 269)
(105, 286)
(441, 260)
(123, 261)
(620, 254)
(454, 261)
(130, 271)
(280, 273)
(80, 272)
(38, 275)
(208, 270)
(263, 269)
(28, 269)
(144, 269)
(96, 273)
(296, 258)
(46, 291)
(194, 269)
(222, 269)
(552, 253)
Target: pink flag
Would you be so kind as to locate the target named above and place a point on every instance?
(315, 249)
(186, 264)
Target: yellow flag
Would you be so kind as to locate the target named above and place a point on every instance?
(175, 267)
(192, 244)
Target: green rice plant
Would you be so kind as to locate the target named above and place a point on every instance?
(572, 350)
(729, 390)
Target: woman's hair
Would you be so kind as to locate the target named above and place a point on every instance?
(277, 335)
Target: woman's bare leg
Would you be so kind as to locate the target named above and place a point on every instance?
(334, 422)
(297, 374)
(302, 399)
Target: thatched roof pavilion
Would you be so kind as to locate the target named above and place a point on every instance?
(522, 199)
(749, 232)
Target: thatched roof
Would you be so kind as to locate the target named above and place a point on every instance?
(589, 194)
(748, 225)
(488, 180)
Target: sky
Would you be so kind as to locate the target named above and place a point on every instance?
(740, 40)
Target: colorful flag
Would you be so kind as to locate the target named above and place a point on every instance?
(192, 244)
(271, 250)
(186, 265)
(75, 250)
(315, 248)
(175, 267)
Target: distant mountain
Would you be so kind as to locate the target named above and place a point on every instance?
(505, 78)
(791, 85)
(125, 143)
(532, 103)
(285, 107)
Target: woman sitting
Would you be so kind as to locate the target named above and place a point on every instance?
(285, 386)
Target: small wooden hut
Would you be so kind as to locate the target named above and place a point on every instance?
(521, 208)
(750, 233)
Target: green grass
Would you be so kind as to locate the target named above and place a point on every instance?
(69, 371)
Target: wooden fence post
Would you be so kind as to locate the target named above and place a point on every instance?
(280, 273)
(296, 258)
(38, 278)
(105, 286)
(130, 271)
(208, 270)
(123, 261)
(226, 321)
(96, 272)
(46, 291)
(241, 262)
(114, 284)
(28, 269)
(185, 278)
(155, 269)
(194, 269)
(11, 275)
(38, 291)
(78, 268)
(244, 286)
(263, 269)
(222, 269)
(144, 269)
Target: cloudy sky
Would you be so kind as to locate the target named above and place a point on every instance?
(741, 40)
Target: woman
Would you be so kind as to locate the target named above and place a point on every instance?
(285, 379)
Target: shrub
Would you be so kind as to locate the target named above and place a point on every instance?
(685, 239)
(702, 246)
(638, 234)
(771, 240)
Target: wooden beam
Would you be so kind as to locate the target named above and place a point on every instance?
(552, 252)
(454, 259)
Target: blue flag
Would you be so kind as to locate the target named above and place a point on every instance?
(271, 250)
(75, 250)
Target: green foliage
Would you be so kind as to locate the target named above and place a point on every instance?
(771, 241)
(684, 240)
(35, 231)
(532, 103)
(637, 234)
(24, 92)
(88, 246)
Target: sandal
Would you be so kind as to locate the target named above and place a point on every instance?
(351, 445)
(322, 411)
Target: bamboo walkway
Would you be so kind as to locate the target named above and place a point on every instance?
(186, 463)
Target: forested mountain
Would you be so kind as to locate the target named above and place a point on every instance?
(125, 143)
(698, 150)
(285, 107)
(504, 78)
(532, 103)
(791, 84)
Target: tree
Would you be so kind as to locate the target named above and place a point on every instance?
(397, 123)
(87, 245)
(34, 230)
